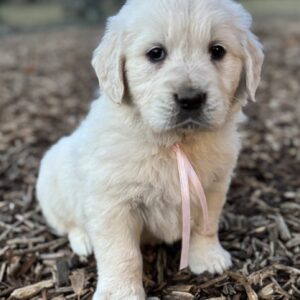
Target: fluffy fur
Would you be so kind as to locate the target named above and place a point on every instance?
(114, 181)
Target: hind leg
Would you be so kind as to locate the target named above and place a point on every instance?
(56, 194)
(80, 242)
(62, 225)
(63, 221)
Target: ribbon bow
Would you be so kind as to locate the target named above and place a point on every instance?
(186, 174)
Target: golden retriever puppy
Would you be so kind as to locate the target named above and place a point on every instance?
(171, 72)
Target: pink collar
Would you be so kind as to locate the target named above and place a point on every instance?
(186, 173)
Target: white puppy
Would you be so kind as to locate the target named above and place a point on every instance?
(170, 71)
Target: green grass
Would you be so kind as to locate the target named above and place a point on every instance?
(31, 15)
(28, 16)
(273, 7)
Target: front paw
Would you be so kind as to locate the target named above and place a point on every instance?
(207, 254)
(120, 293)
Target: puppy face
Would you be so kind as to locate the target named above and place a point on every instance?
(186, 63)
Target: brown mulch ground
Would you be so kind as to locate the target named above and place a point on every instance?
(46, 84)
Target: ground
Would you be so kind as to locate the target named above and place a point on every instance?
(46, 86)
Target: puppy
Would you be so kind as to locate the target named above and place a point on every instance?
(170, 72)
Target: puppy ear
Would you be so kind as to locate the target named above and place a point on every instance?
(108, 63)
(254, 58)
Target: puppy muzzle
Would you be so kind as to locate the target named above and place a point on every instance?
(190, 105)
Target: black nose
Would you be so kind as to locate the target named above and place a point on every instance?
(190, 99)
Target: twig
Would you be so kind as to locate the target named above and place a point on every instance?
(53, 244)
(244, 282)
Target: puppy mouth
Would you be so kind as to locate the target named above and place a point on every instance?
(191, 123)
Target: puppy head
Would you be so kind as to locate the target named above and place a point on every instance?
(184, 63)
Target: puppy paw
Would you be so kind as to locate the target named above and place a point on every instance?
(133, 293)
(80, 242)
(207, 254)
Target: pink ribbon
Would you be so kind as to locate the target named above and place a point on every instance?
(186, 173)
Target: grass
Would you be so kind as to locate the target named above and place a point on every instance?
(31, 15)
(273, 7)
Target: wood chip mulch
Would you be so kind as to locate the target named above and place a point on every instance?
(46, 84)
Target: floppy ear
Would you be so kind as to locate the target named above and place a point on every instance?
(254, 58)
(108, 63)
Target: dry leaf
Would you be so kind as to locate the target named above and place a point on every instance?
(78, 282)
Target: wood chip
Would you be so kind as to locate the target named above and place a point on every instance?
(180, 296)
(32, 290)
(63, 272)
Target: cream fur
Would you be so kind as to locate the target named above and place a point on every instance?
(115, 179)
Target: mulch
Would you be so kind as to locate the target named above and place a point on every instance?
(46, 86)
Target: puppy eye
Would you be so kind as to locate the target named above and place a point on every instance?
(157, 54)
(217, 52)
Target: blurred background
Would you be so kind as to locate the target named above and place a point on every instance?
(46, 87)
(30, 14)
(16, 15)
